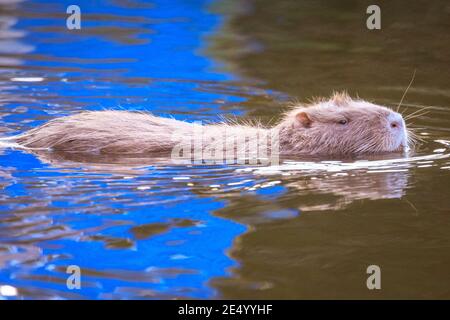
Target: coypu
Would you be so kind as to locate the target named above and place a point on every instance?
(336, 126)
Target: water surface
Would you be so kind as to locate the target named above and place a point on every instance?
(307, 228)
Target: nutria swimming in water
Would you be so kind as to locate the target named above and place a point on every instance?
(336, 126)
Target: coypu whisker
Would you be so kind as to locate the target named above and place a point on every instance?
(417, 138)
(410, 123)
(421, 108)
(407, 88)
(413, 141)
(417, 116)
(411, 204)
(414, 137)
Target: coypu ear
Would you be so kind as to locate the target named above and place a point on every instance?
(304, 119)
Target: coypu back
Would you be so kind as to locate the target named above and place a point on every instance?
(125, 132)
(105, 132)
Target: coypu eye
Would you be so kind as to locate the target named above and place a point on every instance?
(343, 121)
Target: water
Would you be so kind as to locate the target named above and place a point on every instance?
(307, 228)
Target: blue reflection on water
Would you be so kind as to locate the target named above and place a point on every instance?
(139, 57)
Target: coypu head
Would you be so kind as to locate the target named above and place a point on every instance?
(342, 126)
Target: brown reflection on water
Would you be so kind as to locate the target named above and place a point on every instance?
(345, 189)
(398, 220)
(310, 48)
(343, 226)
